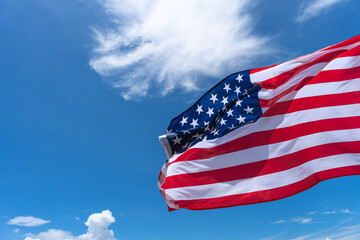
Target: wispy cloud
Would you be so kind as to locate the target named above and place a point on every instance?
(280, 221)
(27, 221)
(334, 211)
(98, 229)
(329, 212)
(300, 220)
(332, 234)
(357, 226)
(275, 237)
(312, 212)
(154, 47)
(315, 8)
(346, 211)
(338, 232)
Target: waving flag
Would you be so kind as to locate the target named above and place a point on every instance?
(268, 133)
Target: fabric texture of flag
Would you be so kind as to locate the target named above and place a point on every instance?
(268, 133)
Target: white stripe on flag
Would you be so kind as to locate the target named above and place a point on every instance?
(343, 63)
(321, 89)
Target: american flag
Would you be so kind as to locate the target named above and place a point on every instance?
(268, 133)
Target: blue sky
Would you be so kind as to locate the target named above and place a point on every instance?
(86, 88)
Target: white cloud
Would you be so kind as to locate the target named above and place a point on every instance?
(302, 220)
(352, 227)
(312, 213)
(280, 221)
(52, 234)
(338, 211)
(164, 45)
(98, 229)
(315, 8)
(331, 233)
(295, 220)
(329, 212)
(27, 221)
(98, 224)
(346, 211)
(16, 230)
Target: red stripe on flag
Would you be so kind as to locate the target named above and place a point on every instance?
(336, 75)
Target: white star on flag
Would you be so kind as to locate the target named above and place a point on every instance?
(223, 122)
(238, 103)
(194, 123)
(213, 98)
(199, 109)
(241, 119)
(225, 100)
(227, 87)
(249, 110)
(176, 140)
(239, 78)
(186, 132)
(237, 90)
(183, 121)
(230, 112)
(210, 111)
(215, 132)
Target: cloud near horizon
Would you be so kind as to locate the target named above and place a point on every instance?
(98, 229)
(315, 8)
(155, 47)
(338, 232)
(332, 234)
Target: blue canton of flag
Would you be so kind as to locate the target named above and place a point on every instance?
(230, 104)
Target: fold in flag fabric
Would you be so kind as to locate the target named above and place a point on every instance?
(267, 133)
